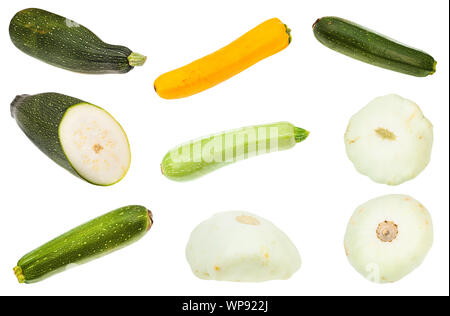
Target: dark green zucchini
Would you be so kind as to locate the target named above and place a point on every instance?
(66, 44)
(89, 241)
(80, 137)
(365, 45)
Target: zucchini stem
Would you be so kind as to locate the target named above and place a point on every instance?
(300, 134)
(434, 68)
(19, 274)
(16, 102)
(288, 31)
(314, 25)
(150, 219)
(136, 59)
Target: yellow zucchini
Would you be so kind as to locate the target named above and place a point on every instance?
(265, 40)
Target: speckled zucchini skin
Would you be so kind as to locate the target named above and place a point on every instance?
(94, 239)
(365, 45)
(66, 44)
(39, 117)
(191, 168)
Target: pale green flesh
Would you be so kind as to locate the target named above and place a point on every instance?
(95, 144)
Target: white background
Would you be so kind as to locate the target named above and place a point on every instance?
(309, 191)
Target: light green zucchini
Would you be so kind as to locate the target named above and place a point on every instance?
(89, 241)
(365, 45)
(80, 137)
(199, 157)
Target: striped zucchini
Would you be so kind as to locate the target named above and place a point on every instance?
(89, 241)
(199, 157)
(80, 137)
(365, 45)
(66, 44)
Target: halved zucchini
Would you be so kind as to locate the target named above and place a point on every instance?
(81, 137)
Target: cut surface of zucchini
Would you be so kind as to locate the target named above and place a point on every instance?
(95, 144)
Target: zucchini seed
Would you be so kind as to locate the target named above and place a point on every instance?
(97, 148)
